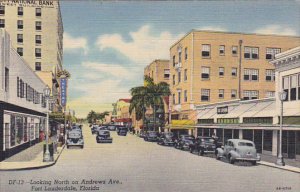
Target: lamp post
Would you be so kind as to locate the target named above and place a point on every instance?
(47, 157)
(282, 97)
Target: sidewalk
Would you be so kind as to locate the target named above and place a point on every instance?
(31, 158)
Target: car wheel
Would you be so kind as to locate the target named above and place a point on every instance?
(68, 146)
(191, 150)
(201, 152)
(82, 147)
(231, 160)
(253, 162)
(217, 156)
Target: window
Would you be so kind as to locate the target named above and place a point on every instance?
(205, 73)
(2, 23)
(299, 86)
(179, 76)
(271, 52)
(179, 97)
(18, 87)
(234, 72)
(38, 66)
(205, 50)
(38, 12)
(2, 10)
(222, 50)
(250, 95)
(38, 39)
(20, 51)
(186, 53)
(185, 95)
(38, 25)
(270, 75)
(20, 24)
(251, 74)
(174, 60)
(173, 99)
(251, 53)
(6, 83)
(293, 85)
(38, 52)
(20, 38)
(221, 93)
(285, 86)
(221, 71)
(185, 75)
(270, 94)
(205, 94)
(173, 79)
(233, 93)
(20, 11)
(179, 56)
(166, 73)
(234, 50)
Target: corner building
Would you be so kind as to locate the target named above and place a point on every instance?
(36, 32)
(209, 67)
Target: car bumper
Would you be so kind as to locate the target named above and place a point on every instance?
(104, 140)
(247, 159)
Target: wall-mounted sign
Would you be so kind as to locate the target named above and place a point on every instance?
(29, 3)
(222, 110)
(63, 91)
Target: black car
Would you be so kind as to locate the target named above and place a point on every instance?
(151, 136)
(204, 145)
(97, 128)
(184, 142)
(111, 127)
(166, 139)
(142, 134)
(122, 131)
(103, 136)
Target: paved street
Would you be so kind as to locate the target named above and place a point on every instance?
(135, 165)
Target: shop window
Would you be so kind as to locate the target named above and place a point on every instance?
(205, 72)
(258, 120)
(205, 50)
(251, 53)
(205, 121)
(268, 135)
(205, 94)
(228, 120)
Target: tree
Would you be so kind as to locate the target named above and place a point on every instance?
(151, 94)
(91, 117)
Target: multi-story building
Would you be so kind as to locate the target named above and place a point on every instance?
(158, 70)
(209, 67)
(36, 31)
(22, 104)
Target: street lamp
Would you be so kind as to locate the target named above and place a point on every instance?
(282, 97)
(47, 157)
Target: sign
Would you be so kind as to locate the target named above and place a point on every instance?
(222, 110)
(63, 91)
(29, 3)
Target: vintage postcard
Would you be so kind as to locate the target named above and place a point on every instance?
(149, 96)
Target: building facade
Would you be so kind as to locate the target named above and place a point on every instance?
(158, 70)
(210, 67)
(22, 104)
(36, 31)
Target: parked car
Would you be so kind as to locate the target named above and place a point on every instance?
(75, 138)
(122, 131)
(111, 127)
(103, 136)
(184, 142)
(166, 139)
(238, 150)
(151, 136)
(204, 145)
(142, 134)
(95, 129)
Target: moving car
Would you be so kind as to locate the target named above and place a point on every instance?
(238, 150)
(204, 145)
(184, 142)
(75, 138)
(122, 131)
(166, 139)
(103, 136)
(151, 136)
(95, 129)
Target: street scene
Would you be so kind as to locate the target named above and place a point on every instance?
(151, 96)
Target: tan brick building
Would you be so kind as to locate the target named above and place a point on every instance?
(36, 32)
(158, 70)
(210, 67)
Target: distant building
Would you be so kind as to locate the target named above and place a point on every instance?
(22, 104)
(36, 32)
(158, 70)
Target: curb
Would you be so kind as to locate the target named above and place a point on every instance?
(38, 167)
(282, 168)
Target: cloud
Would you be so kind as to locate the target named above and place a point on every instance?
(276, 30)
(75, 43)
(144, 46)
(212, 28)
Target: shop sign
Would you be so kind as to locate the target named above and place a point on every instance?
(222, 110)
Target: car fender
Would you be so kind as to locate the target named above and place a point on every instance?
(220, 151)
(234, 154)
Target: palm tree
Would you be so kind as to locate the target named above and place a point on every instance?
(91, 117)
(151, 94)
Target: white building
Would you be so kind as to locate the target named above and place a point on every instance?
(22, 104)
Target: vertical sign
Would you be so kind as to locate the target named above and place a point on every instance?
(63, 91)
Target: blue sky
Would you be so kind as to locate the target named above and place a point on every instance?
(108, 44)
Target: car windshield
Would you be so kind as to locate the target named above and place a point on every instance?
(103, 132)
(246, 144)
(74, 135)
(208, 140)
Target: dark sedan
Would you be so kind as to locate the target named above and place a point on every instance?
(184, 142)
(103, 136)
(204, 145)
(151, 136)
(122, 131)
(166, 139)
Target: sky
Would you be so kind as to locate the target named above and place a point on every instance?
(107, 44)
